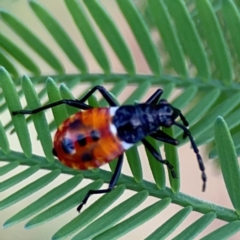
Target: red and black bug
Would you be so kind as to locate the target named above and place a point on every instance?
(95, 136)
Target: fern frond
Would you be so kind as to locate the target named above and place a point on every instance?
(196, 53)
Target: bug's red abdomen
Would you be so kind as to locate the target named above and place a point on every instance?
(85, 141)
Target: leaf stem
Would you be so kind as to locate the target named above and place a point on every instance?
(177, 198)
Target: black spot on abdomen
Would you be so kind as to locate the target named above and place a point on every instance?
(82, 140)
(87, 157)
(75, 124)
(95, 135)
(67, 145)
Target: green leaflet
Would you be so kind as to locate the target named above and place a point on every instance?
(89, 214)
(136, 220)
(14, 104)
(32, 40)
(170, 225)
(44, 201)
(187, 46)
(228, 161)
(195, 228)
(112, 34)
(60, 36)
(113, 216)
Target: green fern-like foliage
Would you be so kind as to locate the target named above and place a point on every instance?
(197, 51)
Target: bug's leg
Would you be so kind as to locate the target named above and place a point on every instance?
(162, 136)
(106, 95)
(152, 150)
(70, 102)
(74, 103)
(155, 97)
(195, 149)
(111, 186)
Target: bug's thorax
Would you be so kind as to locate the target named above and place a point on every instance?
(134, 122)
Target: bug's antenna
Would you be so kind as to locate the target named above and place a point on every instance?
(195, 149)
(183, 119)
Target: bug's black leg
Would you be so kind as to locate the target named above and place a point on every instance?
(112, 184)
(162, 136)
(152, 150)
(107, 96)
(195, 149)
(155, 97)
(70, 102)
(74, 103)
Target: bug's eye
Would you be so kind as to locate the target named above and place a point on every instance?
(168, 110)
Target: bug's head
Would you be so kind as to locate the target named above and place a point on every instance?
(166, 113)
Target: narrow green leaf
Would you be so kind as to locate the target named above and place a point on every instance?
(138, 93)
(164, 25)
(222, 108)
(205, 103)
(90, 36)
(4, 144)
(116, 90)
(214, 37)
(8, 167)
(228, 161)
(32, 41)
(29, 189)
(224, 232)
(190, 40)
(167, 90)
(170, 225)
(197, 227)
(44, 201)
(186, 97)
(118, 87)
(232, 121)
(113, 216)
(39, 119)
(139, 28)
(134, 162)
(92, 101)
(18, 178)
(13, 103)
(113, 36)
(59, 112)
(172, 156)
(134, 221)
(157, 168)
(60, 36)
(67, 94)
(8, 63)
(235, 136)
(232, 20)
(213, 153)
(4, 106)
(63, 206)
(19, 55)
(90, 213)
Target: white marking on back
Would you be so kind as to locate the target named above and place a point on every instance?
(126, 145)
(113, 129)
(112, 111)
